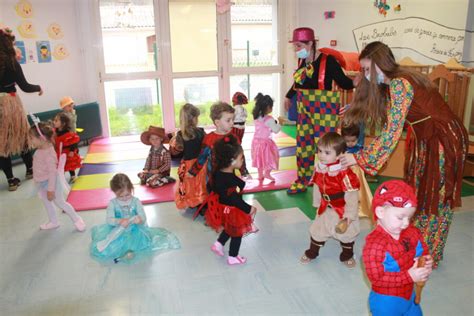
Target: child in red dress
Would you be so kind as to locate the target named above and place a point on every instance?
(227, 212)
(67, 143)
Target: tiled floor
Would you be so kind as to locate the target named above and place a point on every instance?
(51, 273)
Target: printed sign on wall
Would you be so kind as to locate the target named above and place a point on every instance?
(430, 39)
(43, 49)
(20, 45)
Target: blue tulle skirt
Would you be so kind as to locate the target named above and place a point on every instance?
(138, 240)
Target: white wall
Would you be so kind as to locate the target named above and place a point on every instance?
(71, 76)
(351, 14)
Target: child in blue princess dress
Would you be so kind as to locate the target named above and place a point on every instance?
(126, 237)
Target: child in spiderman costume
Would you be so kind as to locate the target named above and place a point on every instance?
(392, 252)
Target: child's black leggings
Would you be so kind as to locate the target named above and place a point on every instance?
(234, 243)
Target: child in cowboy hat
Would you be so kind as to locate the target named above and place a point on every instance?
(158, 163)
(67, 105)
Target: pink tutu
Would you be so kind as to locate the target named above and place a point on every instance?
(265, 154)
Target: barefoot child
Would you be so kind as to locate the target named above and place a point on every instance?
(126, 236)
(392, 251)
(265, 155)
(227, 212)
(335, 194)
(47, 177)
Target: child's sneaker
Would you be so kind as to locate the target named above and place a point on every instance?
(218, 249)
(49, 225)
(72, 179)
(236, 260)
(80, 225)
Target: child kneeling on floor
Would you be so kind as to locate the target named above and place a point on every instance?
(335, 194)
(396, 258)
(156, 172)
(227, 211)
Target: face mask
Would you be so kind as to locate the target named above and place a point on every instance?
(380, 78)
(302, 53)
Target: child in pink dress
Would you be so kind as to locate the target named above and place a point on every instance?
(265, 155)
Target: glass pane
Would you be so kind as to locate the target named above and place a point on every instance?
(133, 105)
(266, 84)
(201, 92)
(254, 33)
(193, 35)
(128, 35)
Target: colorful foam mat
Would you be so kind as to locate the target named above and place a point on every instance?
(127, 154)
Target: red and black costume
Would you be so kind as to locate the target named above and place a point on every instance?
(227, 211)
(69, 141)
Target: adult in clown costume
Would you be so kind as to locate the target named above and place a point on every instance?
(317, 104)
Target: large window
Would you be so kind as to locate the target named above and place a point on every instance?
(132, 106)
(128, 36)
(254, 33)
(159, 55)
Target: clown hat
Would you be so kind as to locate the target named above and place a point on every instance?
(303, 34)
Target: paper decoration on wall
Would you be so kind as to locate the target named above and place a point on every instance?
(24, 9)
(223, 6)
(382, 6)
(20, 52)
(31, 56)
(60, 52)
(329, 14)
(397, 8)
(43, 50)
(26, 29)
(55, 31)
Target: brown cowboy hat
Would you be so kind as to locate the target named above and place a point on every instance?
(154, 130)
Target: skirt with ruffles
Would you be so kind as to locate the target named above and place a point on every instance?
(265, 154)
(235, 222)
(190, 191)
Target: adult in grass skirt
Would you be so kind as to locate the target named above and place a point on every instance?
(437, 141)
(13, 122)
(317, 104)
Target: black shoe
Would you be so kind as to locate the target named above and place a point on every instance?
(29, 174)
(13, 184)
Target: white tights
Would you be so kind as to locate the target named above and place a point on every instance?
(60, 202)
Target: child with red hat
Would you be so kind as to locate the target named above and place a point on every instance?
(392, 251)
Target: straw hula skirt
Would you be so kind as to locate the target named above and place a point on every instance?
(14, 125)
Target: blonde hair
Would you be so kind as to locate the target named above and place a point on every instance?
(187, 123)
(369, 104)
(46, 129)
